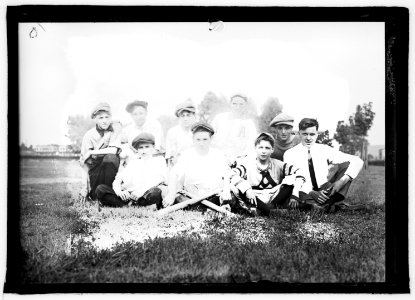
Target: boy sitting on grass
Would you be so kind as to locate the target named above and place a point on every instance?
(257, 181)
(201, 170)
(100, 150)
(141, 182)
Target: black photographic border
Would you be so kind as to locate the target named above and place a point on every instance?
(396, 20)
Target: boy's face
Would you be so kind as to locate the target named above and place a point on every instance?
(283, 132)
(202, 140)
(238, 104)
(308, 136)
(145, 149)
(187, 118)
(139, 115)
(103, 120)
(264, 150)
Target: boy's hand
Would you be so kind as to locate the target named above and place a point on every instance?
(135, 196)
(225, 196)
(293, 203)
(250, 195)
(168, 200)
(320, 197)
(124, 195)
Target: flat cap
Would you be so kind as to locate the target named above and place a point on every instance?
(261, 136)
(185, 106)
(282, 118)
(202, 125)
(102, 106)
(130, 106)
(142, 138)
(241, 95)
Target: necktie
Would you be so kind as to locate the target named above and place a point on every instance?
(312, 174)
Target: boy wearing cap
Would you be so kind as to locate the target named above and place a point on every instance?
(313, 159)
(141, 182)
(283, 124)
(257, 181)
(235, 133)
(100, 149)
(141, 123)
(200, 170)
(179, 137)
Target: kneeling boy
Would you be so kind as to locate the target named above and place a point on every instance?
(257, 180)
(141, 182)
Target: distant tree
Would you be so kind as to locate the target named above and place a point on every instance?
(210, 106)
(23, 147)
(167, 122)
(370, 157)
(324, 138)
(77, 127)
(270, 109)
(352, 136)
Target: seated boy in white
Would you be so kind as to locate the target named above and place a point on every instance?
(201, 170)
(141, 182)
(314, 160)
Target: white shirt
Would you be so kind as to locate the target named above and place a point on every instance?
(234, 136)
(140, 175)
(322, 156)
(201, 174)
(150, 126)
(178, 139)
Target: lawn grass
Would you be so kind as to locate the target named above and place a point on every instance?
(67, 242)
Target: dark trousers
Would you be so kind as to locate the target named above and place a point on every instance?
(335, 174)
(107, 197)
(240, 202)
(102, 170)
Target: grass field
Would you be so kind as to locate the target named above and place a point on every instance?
(66, 242)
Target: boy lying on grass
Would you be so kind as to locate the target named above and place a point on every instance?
(141, 182)
(256, 181)
(200, 170)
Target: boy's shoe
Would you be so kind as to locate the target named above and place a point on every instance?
(349, 207)
(255, 212)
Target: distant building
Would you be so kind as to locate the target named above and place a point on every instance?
(377, 152)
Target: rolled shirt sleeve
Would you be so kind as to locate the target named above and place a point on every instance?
(337, 157)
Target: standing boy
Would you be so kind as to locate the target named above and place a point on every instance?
(313, 159)
(284, 139)
(179, 137)
(141, 182)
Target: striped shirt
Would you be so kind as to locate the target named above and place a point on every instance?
(248, 175)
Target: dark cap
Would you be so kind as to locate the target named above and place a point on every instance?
(185, 106)
(143, 138)
(265, 136)
(282, 118)
(202, 125)
(130, 106)
(103, 106)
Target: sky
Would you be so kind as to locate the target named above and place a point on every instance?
(320, 70)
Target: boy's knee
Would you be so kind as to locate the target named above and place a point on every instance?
(101, 190)
(111, 158)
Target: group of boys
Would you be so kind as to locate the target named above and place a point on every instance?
(226, 162)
